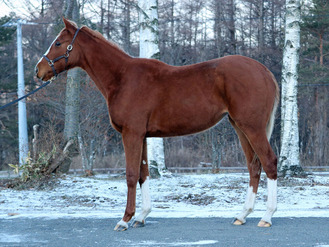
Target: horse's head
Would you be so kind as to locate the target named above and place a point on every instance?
(61, 55)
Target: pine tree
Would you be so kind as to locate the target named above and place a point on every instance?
(314, 74)
(8, 116)
(316, 22)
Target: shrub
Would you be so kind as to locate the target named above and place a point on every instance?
(34, 171)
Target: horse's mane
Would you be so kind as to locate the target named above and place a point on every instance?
(99, 36)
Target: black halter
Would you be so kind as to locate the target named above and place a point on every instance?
(66, 55)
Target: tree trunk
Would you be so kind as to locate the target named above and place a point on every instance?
(218, 27)
(289, 161)
(216, 152)
(173, 54)
(231, 27)
(35, 142)
(149, 48)
(87, 157)
(101, 29)
(108, 29)
(126, 27)
(273, 20)
(319, 127)
(321, 49)
(261, 31)
(72, 104)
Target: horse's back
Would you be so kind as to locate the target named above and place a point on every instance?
(188, 99)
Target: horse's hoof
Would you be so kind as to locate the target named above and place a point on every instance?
(263, 223)
(237, 222)
(138, 224)
(121, 226)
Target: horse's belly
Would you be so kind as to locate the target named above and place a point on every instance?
(184, 124)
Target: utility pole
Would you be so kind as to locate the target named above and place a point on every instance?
(22, 122)
(23, 145)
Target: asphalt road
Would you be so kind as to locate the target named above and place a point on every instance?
(71, 232)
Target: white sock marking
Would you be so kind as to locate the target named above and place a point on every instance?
(146, 201)
(271, 200)
(248, 205)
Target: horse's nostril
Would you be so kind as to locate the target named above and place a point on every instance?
(36, 70)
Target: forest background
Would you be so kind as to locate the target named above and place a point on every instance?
(190, 31)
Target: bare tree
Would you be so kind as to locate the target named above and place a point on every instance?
(126, 25)
(72, 103)
(261, 31)
(231, 27)
(218, 12)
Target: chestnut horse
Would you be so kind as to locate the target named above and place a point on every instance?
(148, 98)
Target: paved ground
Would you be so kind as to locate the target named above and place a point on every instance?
(71, 232)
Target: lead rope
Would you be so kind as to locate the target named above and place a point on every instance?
(26, 95)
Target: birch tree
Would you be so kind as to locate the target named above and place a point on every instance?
(289, 161)
(149, 48)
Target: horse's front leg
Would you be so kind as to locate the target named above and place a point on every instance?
(145, 191)
(133, 144)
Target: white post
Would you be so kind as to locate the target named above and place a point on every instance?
(22, 122)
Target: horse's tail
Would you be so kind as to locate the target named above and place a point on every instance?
(270, 124)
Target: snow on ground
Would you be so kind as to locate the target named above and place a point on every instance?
(211, 195)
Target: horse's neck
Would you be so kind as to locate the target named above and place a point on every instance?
(104, 63)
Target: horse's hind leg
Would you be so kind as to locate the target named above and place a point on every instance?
(145, 191)
(259, 142)
(254, 168)
(269, 164)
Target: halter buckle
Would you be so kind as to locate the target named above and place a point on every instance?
(51, 63)
(69, 47)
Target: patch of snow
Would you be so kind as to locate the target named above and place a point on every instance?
(211, 195)
(13, 238)
(6, 238)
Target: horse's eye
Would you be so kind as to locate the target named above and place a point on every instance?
(58, 44)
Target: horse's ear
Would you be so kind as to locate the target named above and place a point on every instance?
(68, 24)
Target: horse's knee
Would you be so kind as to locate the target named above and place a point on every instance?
(132, 180)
